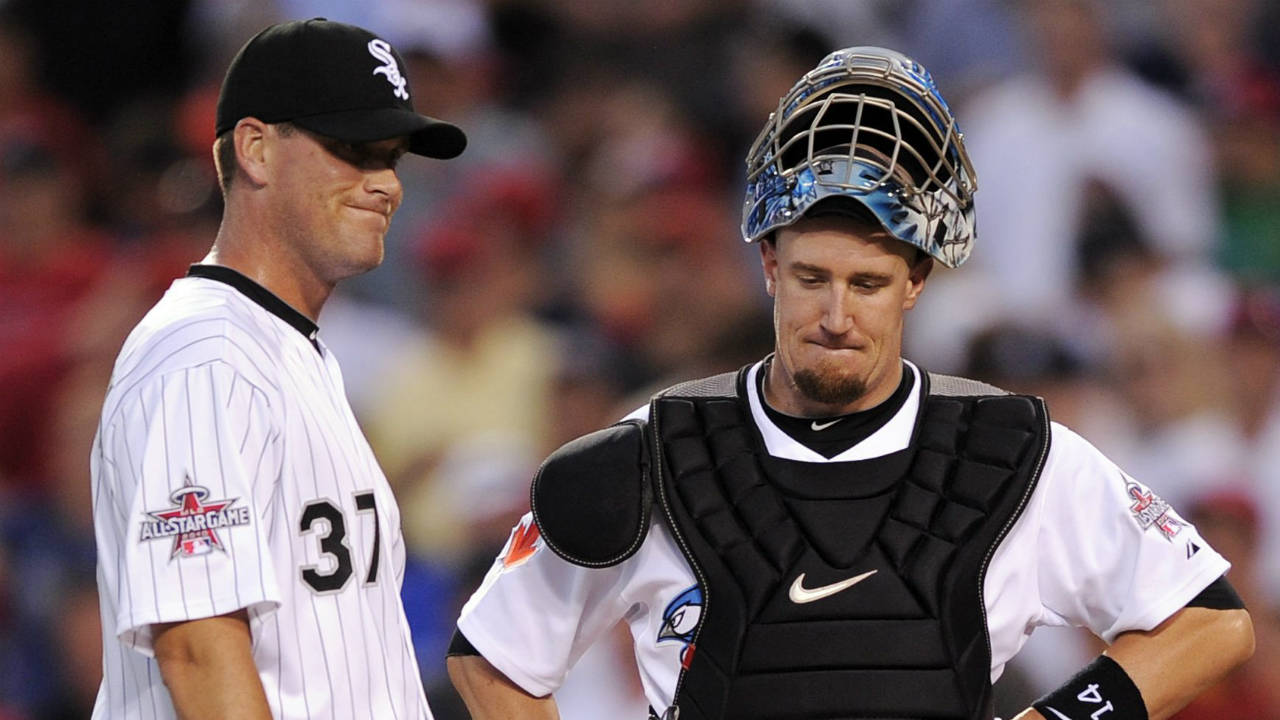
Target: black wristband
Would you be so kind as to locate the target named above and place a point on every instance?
(1101, 691)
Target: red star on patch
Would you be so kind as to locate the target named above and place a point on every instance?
(189, 499)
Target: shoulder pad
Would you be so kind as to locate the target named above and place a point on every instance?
(955, 386)
(722, 385)
(591, 497)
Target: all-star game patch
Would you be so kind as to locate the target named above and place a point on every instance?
(1150, 510)
(194, 523)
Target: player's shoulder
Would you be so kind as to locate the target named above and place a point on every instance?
(591, 497)
(1069, 451)
(198, 322)
(957, 386)
(991, 405)
(1075, 469)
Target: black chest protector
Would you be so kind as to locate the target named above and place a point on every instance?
(786, 630)
(830, 590)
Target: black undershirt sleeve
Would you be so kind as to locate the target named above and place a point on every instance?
(1219, 595)
(460, 645)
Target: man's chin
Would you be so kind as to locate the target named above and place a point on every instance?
(830, 388)
(358, 266)
(372, 252)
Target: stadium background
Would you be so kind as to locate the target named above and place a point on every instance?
(585, 251)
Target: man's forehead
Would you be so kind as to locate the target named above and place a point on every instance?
(861, 227)
(395, 143)
(400, 142)
(840, 239)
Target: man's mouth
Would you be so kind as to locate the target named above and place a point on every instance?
(382, 212)
(836, 347)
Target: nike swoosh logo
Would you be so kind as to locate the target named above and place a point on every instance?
(800, 594)
(1055, 712)
(823, 426)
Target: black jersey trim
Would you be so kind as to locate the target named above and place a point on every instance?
(268, 300)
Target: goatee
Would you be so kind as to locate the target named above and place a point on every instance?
(829, 389)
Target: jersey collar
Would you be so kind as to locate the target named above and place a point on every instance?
(893, 436)
(260, 295)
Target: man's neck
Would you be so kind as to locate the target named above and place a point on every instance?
(273, 267)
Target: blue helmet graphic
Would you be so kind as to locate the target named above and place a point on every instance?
(868, 124)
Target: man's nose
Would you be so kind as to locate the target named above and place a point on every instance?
(837, 316)
(385, 181)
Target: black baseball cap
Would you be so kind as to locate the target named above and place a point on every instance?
(334, 79)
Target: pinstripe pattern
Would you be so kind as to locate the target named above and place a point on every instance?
(214, 392)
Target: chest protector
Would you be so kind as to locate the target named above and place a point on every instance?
(850, 589)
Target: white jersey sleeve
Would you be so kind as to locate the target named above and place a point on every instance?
(535, 614)
(1096, 549)
(188, 460)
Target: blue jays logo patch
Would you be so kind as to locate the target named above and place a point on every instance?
(680, 619)
(194, 523)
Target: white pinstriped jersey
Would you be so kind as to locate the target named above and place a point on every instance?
(228, 473)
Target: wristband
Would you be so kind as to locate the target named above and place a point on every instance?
(1101, 691)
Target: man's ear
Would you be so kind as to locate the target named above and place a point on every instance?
(769, 262)
(251, 139)
(916, 277)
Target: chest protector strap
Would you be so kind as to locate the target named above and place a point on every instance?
(851, 589)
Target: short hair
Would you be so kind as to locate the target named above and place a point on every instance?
(224, 154)
(224, 160)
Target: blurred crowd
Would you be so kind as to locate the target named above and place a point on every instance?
(585, 251)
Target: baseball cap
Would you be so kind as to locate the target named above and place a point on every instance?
(334, 79)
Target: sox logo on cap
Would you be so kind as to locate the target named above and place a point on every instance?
(381, 51)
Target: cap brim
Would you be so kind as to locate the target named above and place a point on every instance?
(427, 136)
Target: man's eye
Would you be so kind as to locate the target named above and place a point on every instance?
(365, 155)
(344, 150)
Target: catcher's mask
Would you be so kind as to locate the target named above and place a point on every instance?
(868, 124)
